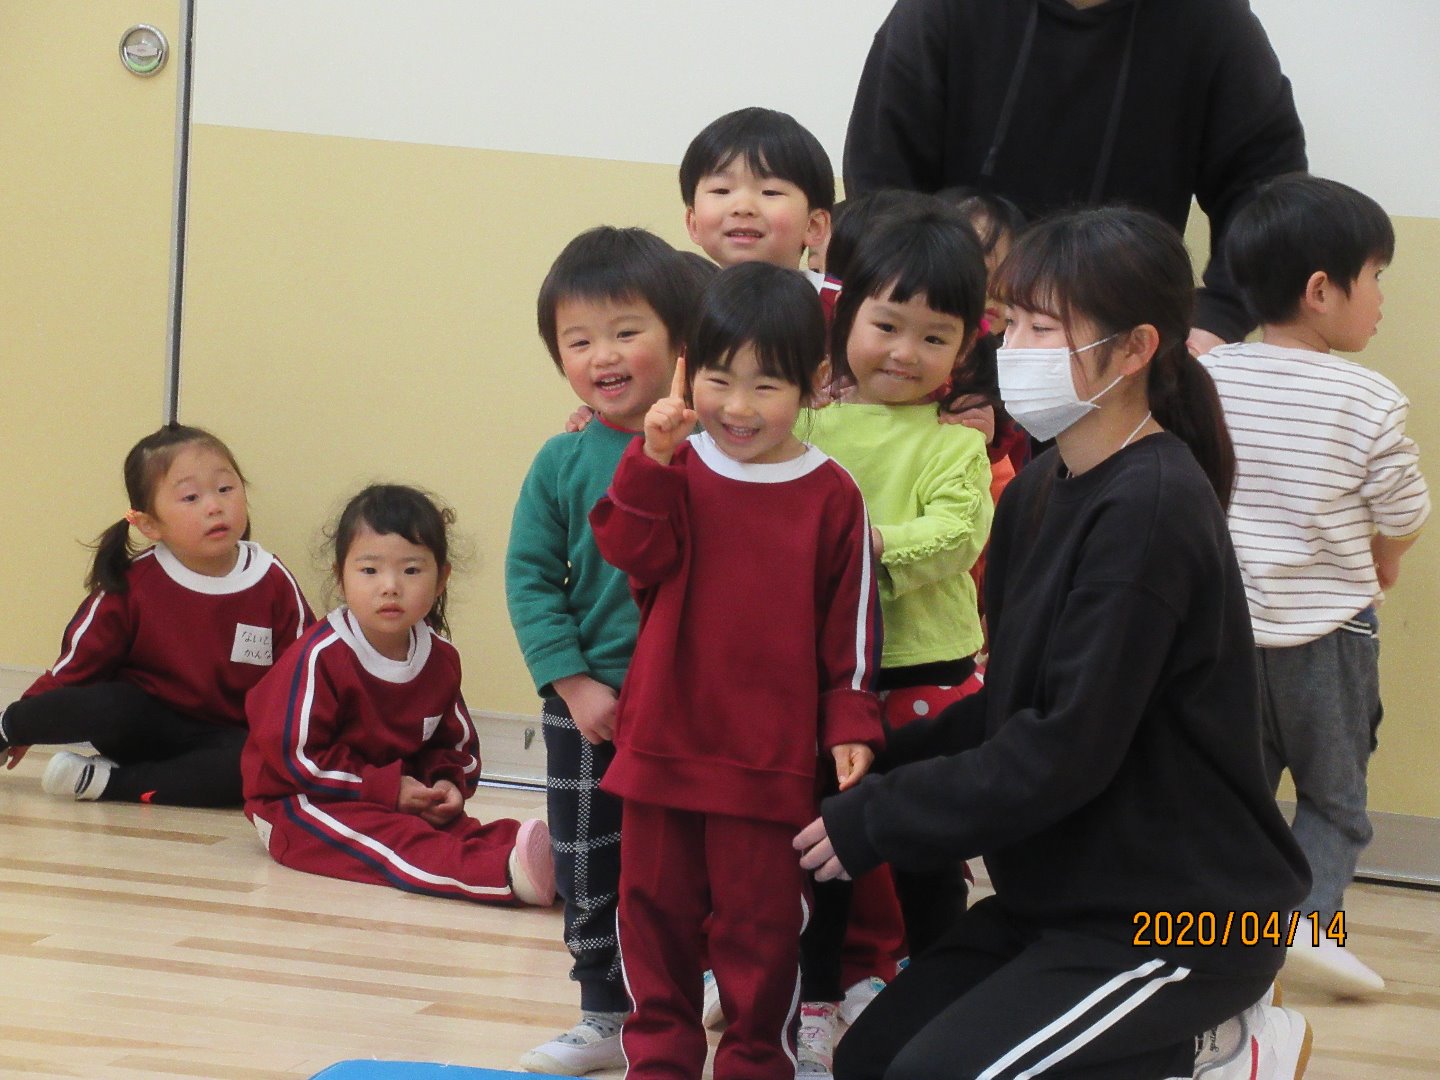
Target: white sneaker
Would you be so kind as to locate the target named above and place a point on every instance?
(859, 996)
(815, 1043)
(76, 776)
(1265, 1042)
(582, 1049)
(531, 866)
(712, 1013)
(1333, 967)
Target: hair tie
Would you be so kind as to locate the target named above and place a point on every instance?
(132, 517)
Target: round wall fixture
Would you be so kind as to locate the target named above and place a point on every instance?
(143, 50)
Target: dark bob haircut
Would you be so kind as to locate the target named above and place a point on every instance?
(609, 264)
(394, 509)
(775, 311)
(931, 253)
(854, 218)
(1296, 225)
(771, 143)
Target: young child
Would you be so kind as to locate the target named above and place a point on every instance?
(749, 554)
(154, 667)
(1111, 762)
(758, 187)
(361, 752)
(1328, 497)
(612, 312)
(912, 305)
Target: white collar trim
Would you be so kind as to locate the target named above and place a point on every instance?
(249, 568)
(777, 472)
(382, 667)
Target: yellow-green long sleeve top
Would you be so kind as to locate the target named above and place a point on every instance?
(927, 488)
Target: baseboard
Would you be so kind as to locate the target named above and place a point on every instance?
(1406, 848)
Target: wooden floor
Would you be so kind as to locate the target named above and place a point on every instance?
(152, 942)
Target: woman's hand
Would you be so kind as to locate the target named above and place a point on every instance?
(817, 853)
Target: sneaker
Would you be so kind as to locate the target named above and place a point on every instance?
(583, 1049)
(532, 869)
(1333, 967)
(815, 1044)
(712, 1013)
(76, 775)
(858, 997)
(1265, 1042)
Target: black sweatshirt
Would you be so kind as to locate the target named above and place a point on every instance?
(1111, 764)
(1192, 87)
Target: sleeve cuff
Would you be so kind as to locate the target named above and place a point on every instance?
(844, 816)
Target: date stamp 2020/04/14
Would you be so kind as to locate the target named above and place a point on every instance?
(1202, 929)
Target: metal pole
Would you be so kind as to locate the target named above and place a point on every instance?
(177, 222)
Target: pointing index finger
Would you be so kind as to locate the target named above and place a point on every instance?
(677, 384)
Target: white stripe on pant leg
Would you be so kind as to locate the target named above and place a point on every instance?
(1055, 1026)
(1105, 1022)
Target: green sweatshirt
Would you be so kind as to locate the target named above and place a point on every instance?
(571, 610)
(927, 487)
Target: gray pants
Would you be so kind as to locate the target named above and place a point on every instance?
(1320, 708)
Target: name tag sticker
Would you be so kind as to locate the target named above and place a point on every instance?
(430, 724)
(253, 645)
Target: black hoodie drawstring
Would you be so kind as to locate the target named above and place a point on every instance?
(1012, 92)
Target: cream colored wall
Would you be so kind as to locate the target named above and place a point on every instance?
(84, 271)
(366, 310)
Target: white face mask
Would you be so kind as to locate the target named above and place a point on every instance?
(1038, 388)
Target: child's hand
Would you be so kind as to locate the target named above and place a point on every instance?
(669, 421)
(818, 853)
(877, 541)
(580, 418)
(592, 706)
(415, 797)
(13, 754)
(852, 761)
(448, 804)
(974, 412)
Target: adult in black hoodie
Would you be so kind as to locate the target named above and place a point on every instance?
(1109, 771)
(1062, 103)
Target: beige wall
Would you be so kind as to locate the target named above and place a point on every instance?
(84, 272)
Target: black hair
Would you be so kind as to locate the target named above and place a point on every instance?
(1298, 224)
(854, 218)
(930, 253)
(771, 143)
(769, 308)
(609, 264)
(145, 467)
(1120, 268)
(399, 510)
(992, 216)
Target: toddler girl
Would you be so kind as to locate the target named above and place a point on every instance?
(154, 667)
(749, 555)
(361, 751)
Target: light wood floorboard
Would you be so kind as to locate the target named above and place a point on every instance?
(141, 941)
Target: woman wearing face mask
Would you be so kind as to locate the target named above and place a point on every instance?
(1109, 771)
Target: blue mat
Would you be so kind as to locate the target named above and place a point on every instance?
(414, 1070)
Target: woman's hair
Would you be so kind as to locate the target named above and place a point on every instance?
(928, 252)
(769, 308)
(1120, 268)
(145, 467)
(856, 218)
(395, 509)
(610, 265)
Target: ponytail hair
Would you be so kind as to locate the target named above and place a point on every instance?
(145, 466)
(1120, 268)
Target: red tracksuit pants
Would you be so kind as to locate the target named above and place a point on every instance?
(379, 845)
(676, 868)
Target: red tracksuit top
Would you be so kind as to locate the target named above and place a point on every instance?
(196, 643)
(336, 720)
(759, 628)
